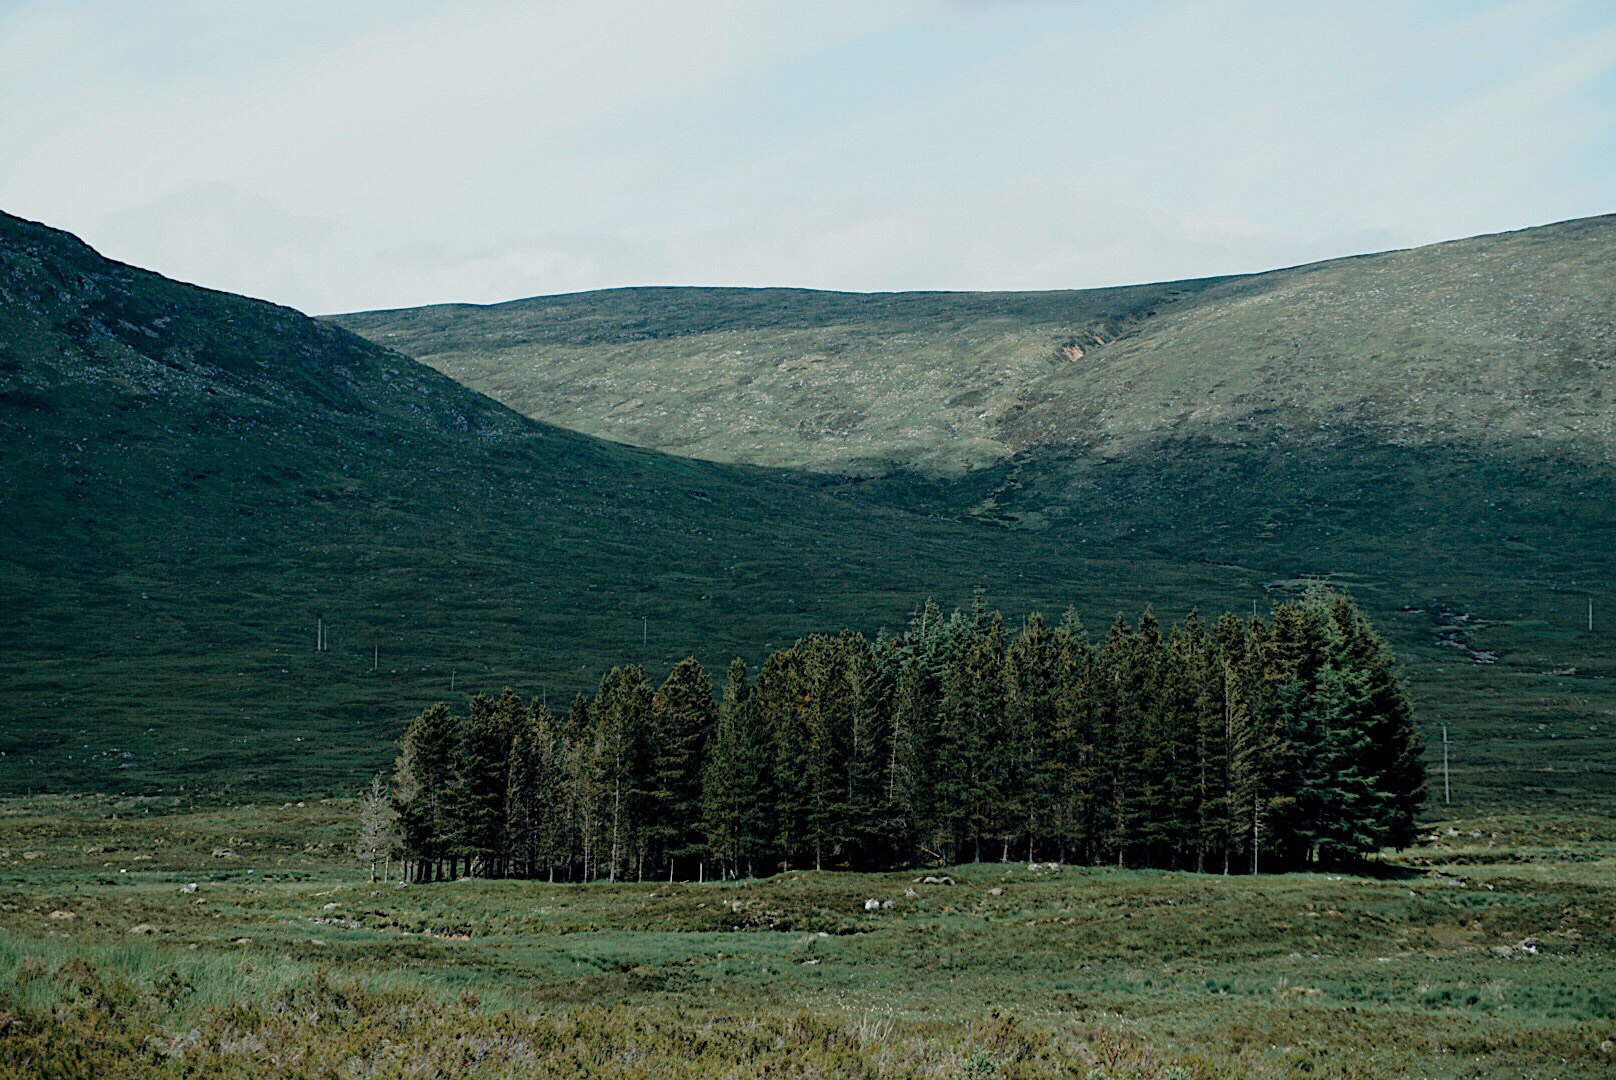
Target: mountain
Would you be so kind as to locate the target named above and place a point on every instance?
(193, 479)
(1430, 428)
(190, 480)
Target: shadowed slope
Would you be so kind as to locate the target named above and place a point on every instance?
(192, 478)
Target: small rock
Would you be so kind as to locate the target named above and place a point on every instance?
(241, 941)
(188, 889)
(810, 963)
(223, 853)
(910, 893)
(331, 906)
(1529, 946)
(1501, 950)
(143, 928)
(62, 915)
(995, 892)
(872, 905)
(886, 903)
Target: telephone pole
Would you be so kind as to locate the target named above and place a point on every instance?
(1447, 794)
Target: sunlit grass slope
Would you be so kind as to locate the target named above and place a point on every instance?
(1493, 342)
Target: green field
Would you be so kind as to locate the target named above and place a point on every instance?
(1487, 950)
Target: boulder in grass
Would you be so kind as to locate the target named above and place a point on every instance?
(143, 928)
(188, 889)
(872, 905)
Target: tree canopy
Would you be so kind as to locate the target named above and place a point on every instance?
(1232, 746)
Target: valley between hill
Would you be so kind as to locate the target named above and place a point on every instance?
(192, 479)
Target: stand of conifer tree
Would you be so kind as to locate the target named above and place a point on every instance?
(1240, 746)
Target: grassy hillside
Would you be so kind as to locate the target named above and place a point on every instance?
(1498, 342)
(1429, 428)
(191, 478)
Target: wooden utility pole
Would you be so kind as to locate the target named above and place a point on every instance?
(1447, 794)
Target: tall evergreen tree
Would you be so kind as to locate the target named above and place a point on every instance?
(423, 789)
(682, 720)
(735, 781)
(1073, 755)
(622, 767)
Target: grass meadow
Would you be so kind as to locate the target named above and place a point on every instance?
(1490, 949)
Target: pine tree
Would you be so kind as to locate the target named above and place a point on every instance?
(909, 754)
(1073, 761)
(1394, 757)
(725, 789)
(1173, 732)
(423, 792)
(866, 827)
(682, 720)
(537, 811)
(1026, 787)
(482, 774)
(779, 698)
(622, 767)
(1126, 661)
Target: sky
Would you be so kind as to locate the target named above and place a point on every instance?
(358, 155)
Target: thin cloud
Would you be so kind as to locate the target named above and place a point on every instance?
(380, 155)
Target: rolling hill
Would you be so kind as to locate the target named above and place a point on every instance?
(190, 479)
(1497, 343)
(1430, 428)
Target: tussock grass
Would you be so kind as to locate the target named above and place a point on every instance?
(1446, 960)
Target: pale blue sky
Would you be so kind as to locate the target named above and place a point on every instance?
(353, 155)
